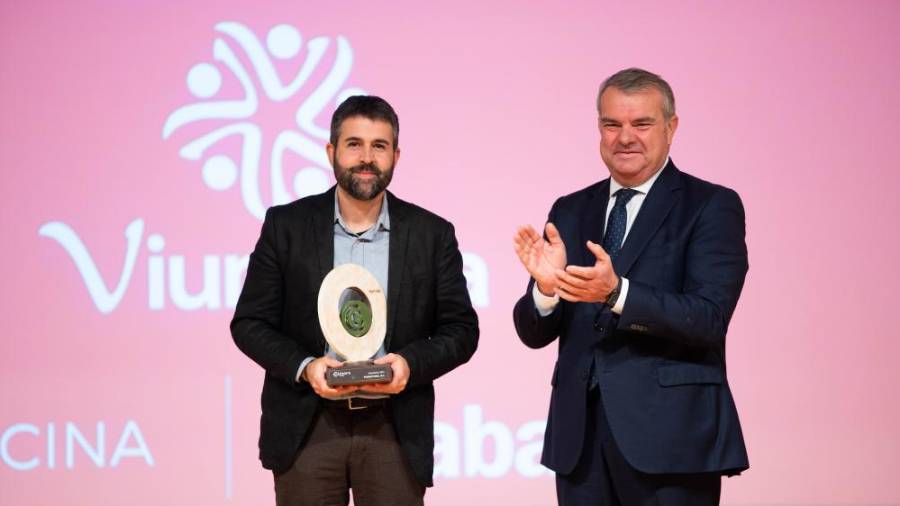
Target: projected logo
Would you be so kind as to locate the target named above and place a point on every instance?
(318, 84)
(226, 130)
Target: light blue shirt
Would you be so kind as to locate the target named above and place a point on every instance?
(368, 249)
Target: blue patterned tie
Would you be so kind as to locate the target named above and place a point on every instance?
(612, 243)
(618, 218)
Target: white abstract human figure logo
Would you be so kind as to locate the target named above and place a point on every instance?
(204, 81)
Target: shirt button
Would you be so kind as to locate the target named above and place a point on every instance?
(598, 327)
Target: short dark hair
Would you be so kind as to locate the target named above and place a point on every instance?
(367, 106)
(633, 80)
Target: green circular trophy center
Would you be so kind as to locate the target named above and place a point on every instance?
(356, 317)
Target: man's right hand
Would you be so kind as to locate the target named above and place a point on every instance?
(542, 258)
(314, 373)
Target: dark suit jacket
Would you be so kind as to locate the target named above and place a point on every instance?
(431, 322)
(662, 362)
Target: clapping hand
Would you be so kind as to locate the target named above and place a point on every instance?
(541, 257)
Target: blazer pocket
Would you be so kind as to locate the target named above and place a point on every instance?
(689, 374)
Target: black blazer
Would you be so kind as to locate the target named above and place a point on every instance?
(431, 322)
(662, 362)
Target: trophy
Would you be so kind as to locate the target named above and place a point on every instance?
(353, 318)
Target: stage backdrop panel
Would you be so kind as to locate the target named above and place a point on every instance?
(141, 142)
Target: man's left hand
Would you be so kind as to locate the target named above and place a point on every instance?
(400, 369)
(588, 284)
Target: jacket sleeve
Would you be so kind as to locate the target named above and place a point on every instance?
(714, 272)
(534, 330)
(257, 320)
(455, 335)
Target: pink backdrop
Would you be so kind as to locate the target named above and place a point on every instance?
(148, 402)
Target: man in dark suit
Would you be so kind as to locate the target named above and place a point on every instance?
(638, 276)
(377, 440)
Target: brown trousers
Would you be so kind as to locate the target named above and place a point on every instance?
(348, 450)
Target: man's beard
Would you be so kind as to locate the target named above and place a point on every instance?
(358, 188)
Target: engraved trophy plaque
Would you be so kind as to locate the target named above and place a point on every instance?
(353, 317)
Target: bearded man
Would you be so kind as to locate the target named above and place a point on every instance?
(376, 440)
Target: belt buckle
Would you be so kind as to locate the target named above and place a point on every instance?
(352, 407)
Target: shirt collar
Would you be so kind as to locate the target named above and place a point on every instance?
(643, 188)
(382, 223)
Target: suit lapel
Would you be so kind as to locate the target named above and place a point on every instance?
(657, 204)
(397, 246)
(594, 223)
(323, 235)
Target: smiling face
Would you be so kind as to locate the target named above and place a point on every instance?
(634, 134)
(364, 157)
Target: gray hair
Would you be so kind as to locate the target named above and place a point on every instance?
(633, 80)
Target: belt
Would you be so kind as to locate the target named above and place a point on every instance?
(353, 403)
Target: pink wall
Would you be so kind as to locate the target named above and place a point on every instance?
(792, 105)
